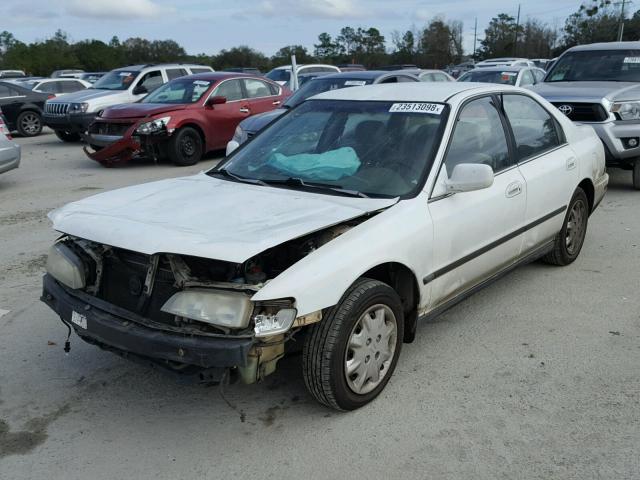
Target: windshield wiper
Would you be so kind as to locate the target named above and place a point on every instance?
(226, 173)
(298, 182)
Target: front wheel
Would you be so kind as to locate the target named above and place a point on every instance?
(569, 240)
(185, 147)
(636, 174)
(350, 355)
(29, 124)
(67, 136)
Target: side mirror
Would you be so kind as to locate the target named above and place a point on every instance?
(140, 89)
(467, 177)
(217, 100)
(232, 146)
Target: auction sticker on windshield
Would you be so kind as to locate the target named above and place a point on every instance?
(434, 108)
(355, 83)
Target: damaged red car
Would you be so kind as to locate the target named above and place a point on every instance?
(182, 120)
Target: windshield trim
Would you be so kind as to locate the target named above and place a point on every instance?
(411, 194)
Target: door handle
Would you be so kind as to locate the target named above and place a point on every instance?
(513, 189)
(244, 110)
(571, 163)
(277, 102)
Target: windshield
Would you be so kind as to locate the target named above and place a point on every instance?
(505, 78)
(116, 80)
(597, 65)
(320, 85)
(279, 75)
(180, 90)
(367, 147)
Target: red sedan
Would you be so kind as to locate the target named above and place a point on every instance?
(183, 119)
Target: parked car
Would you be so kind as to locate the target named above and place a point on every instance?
(305, 77)
(456, 70)
(252, 125)
(339, 226)
(69, 73)
(599, 84)
(351, 67)
(12, 74)
(92, 77)
(404, 66)
(541, 62)
(505, 62)
(183, 119)
(9, 150)
(517, 76)
(56, 86)
(248, 70)
(283, 74)
(70, 116)
(22, 108)
(425, 75)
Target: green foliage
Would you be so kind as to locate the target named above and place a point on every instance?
(242, 56)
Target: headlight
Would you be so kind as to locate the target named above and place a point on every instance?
(65, 266)
(267, 324)
(627, 110)
(153, 126)
(225, 309)
(78, 107)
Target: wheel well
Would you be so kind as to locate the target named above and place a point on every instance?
(589, 190)
(404, 282)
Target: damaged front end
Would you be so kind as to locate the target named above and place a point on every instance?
(190, 315)
(116, 141)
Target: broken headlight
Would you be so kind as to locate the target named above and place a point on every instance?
(216, 307)
(153, 126)
(274, 317)
(66, 267)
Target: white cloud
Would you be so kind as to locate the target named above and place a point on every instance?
(316, 8)
(116, 9)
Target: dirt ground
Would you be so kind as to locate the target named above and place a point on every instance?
(535, 377)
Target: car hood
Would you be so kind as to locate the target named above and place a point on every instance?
(139, 110)
(92, 94)
(206, 217)
(588, 91)
(258, 122)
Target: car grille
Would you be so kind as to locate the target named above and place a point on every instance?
(103, 128)
(57, 109)
(583, 112)
(122, 284)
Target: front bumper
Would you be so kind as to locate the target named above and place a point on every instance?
(611, 133)
(76, 123)
(121, 151)
(125, 333)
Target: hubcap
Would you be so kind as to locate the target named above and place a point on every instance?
(371, 348)
(576, 227)
(30, 123)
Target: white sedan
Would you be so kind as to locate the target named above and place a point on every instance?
(340, 225)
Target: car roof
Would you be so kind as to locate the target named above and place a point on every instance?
(411, 91)
(163, 65)
(504, 68)
(217, 76)
(606, 46)
(366, 74)
(288, 67)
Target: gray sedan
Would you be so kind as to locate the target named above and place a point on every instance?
(9, 150)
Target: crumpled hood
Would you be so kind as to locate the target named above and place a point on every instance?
(587, 91)
(139, 110)
(206, 217)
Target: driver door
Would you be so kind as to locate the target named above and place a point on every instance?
(223, 118)
(476, 233)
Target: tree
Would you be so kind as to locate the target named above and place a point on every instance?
(499, 37)
(595, 21)
(437, 48)
(326, 48)
(242, 56)
(283, 56)
(405, 47)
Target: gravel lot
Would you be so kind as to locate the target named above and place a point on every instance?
(537, 376)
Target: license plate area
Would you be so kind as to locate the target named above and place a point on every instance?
(79, 319)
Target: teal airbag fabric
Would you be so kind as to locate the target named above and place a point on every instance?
(331, 165)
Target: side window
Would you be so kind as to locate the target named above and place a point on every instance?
(478, 137)
(52, 87)
(439, 77)
(256, 88)
(69, 87)
(539, 75)
(5, 92)
(275, 89)
(390, 80)
(527, 78)
(403, 79)
(231, 89)
(151, 80)
(175, 73)
(534, 128)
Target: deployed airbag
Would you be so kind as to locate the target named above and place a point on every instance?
(331, 165)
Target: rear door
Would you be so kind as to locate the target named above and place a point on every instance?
(11, 101)
(260, 95)
(548, 164)
(222, 119)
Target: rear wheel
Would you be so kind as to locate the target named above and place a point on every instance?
(29, 123)
(636, 174)
(185, 147)
(67, 136)
(569, 240)
(350, 355)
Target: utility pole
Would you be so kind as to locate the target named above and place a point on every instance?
(621, 24)
(475, 38)
(515, 40)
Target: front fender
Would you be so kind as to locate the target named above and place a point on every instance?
(401, 234)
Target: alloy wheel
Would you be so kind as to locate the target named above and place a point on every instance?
(30, 123)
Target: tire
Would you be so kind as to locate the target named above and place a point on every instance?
(185, 147)
(67, 136)
(29, 123)
(568, 242)
(636, 174)
(327, 352)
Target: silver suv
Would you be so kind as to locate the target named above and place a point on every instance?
(599, 84)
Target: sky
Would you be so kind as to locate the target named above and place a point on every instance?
(207, 26)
